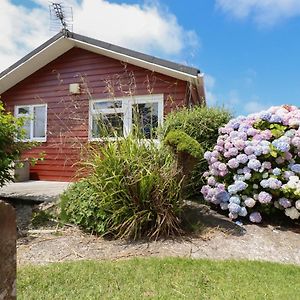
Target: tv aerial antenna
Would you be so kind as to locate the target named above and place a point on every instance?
(61, 18)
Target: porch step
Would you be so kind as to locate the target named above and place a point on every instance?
(39, 191)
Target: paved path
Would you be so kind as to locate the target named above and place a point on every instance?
(42, 191)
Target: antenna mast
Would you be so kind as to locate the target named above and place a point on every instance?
(61, 18)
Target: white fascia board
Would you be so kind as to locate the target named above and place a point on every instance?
(35, 63)
(134, 61)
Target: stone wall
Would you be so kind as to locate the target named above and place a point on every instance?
(8, 237)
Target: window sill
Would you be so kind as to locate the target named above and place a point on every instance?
(144, 141)
(44, 140)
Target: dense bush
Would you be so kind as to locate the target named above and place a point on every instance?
(202, 124)
(255, 165)
(10, 149)
(133, 191)
(179, 141)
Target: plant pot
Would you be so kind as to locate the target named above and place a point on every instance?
(22, 170)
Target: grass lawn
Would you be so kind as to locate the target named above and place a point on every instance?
(154, 278)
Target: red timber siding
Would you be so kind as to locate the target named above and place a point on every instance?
(67, 129)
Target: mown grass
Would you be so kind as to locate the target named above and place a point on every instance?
(153, 278)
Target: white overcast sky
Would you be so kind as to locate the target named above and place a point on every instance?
(149, 28)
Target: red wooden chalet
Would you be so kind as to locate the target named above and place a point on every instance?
(67, 83)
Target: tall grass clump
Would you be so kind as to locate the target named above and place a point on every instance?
(133, 191)
(201, 124)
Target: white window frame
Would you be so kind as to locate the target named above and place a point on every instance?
(126, 110)
(30, 115)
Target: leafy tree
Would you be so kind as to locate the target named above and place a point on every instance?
(10, 148)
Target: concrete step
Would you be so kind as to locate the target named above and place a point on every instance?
(40, 191)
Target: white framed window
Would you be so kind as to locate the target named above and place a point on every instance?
(35, 125)
(112, 118)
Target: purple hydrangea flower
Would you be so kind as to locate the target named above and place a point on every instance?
(233, 151)
(224, 205)
(232, 215)
(258, 151)
(288, 174)
(267, 165)
(284, 202)
(235, 199)
(274, 183)
(249, 150)
(220, 187)
(243, 212)
(250, 202)
(227, 145)
(255, 217)
(207, 155)
(264, 197)
(295, 168)
(276, 172)
(275, 119)
(223, 196)
(211, 181)
(252, 131)
(279, 160)
(204, 190)
(254, 164)
(233, 163)
(264, 183)
(265, 115)
(242, 158)
(296, 141)
(239, 144)
(222, 167)
(220, 142)
(281, 145)
(234, 208)
(247, 176)
(241, 185)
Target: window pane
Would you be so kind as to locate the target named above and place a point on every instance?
(39, 121)
(26, 129)
(107, 105)
(23, 110)
(145, 119)
(107, 125)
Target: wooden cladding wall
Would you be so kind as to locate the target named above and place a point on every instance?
(100, 77)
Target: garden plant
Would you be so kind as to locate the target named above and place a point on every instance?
(198, 123)
(133, 191)
(10, 148)
(254, 167)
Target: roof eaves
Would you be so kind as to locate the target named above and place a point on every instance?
(136, 54)
(31, 54)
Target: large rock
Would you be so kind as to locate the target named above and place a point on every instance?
(8, 237)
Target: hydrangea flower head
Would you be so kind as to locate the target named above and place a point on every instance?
(254, 164)
(223, 196)
(255, 217)
(264, 197)
(276, 171)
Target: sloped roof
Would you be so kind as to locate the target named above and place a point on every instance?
(64, 41)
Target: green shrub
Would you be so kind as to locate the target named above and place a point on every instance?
(201, 124)
(10, 149)
(182, 142)
(80, 205)
(133, 191)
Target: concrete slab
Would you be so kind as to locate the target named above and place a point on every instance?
(42, 191)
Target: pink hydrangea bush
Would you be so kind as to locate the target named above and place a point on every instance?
(255, 165)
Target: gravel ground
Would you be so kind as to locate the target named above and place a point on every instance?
(219, 238)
